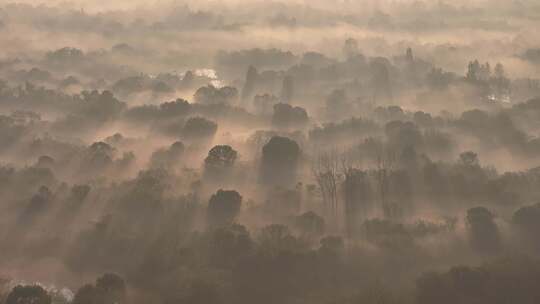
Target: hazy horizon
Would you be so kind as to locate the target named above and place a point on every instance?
(322, 152)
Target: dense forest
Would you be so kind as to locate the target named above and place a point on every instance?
(271, 152)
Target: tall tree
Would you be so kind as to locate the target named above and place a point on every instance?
(280, 159)
(223, 208)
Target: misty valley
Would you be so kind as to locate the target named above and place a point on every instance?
(270, 152)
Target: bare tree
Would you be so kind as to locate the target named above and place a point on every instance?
(326, 172)
(356, 195)
(385, 165)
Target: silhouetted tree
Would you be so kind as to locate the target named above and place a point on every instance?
(326, 172)
(109, 289)
(113, 288)
(219, 162)
(483, 231)
(168, 158)
(280, 158)
(212, 95)
(388, 234)
(527, 220)
(30, 294)
(79, 193)
(409, 55)
(38, 205)
(45, 161)
(229, 245)
(402, 135)
(276, 239)
(286, 116)
(199, 128)
(386, 162)
(469, 159)
(357, 194)
(439, 79)
(310, 224)
(98, 156)
(223, 207)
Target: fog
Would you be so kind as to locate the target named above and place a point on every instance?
(353, 151)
